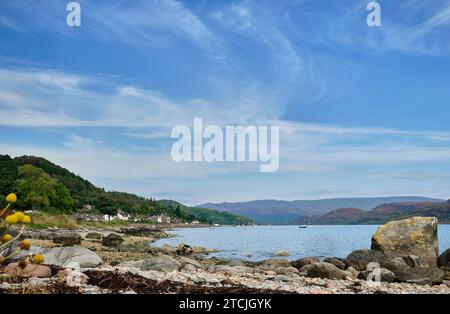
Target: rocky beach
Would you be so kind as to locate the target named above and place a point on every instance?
(122, 260)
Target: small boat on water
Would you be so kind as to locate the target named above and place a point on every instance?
(303, 226)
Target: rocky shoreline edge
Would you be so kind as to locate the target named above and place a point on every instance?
(120, 260)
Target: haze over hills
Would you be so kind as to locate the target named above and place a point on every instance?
(284, 212)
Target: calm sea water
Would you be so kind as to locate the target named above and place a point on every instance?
(260, 242)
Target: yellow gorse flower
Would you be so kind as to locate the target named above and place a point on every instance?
(11, 198)
(11, 219)
(38, 258)
(19, 216)
(6, 238)
(26, 219)
(25, 245)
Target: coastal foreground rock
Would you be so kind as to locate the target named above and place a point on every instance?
(132, 266)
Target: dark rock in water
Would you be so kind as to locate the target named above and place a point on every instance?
(112, 240)
(359, 259)
(413, 236)
(444, 259)
(94, 235)
(413, 269)
(67, 239)
(199, 250)
(184, 249)
(335, 261)
(305, 261)
(324, 270)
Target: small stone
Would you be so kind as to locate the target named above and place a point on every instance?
(72, 278)
(305, 261)
(94, 236)
(281, 253)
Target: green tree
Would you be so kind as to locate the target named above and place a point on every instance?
(39, 191)
(178, 211)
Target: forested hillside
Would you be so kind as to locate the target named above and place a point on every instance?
(44, 186)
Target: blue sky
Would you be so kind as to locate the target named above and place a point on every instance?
(362, 111)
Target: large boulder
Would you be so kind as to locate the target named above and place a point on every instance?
(72, 257)
(305, 261)
(444, 259)
(164, 263)
(325, 270)
(413, 236)
(67, 239)
(112, 240)
(359, 259)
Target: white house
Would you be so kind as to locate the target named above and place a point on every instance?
(161, 219)
(122, 216)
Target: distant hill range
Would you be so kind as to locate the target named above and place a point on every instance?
(326, 211)
(381, 214)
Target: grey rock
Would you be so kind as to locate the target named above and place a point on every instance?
(444, 259)
(164, 263)
(94, 236)
(199, 250)
(305, 261)
(168, 249)
(281, 253)
(359, 259)
(335, 261)
(418, 273)
(385, 275)
(72, 257)
(185, 261)
(190, 268)
(324, 270)
(112, 240)
(67, 239)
